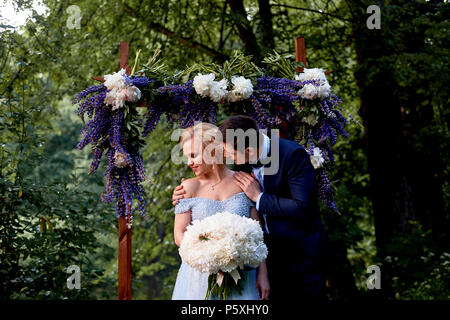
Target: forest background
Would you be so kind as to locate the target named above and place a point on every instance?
(391, 175)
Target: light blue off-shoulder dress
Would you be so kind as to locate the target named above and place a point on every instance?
(192, 284)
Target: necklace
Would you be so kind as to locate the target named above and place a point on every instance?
(212, 187)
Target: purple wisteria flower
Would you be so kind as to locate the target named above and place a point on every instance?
(107, 132)
(313, 117)
(322, 131)
(182, 102)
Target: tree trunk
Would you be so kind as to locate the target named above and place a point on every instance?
(425, 169)
(266, 25)
(380, 112)
(425, 165)
(245, 30)
(405, 181)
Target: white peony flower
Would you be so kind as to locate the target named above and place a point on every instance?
(110, 98)
(243, 89)
(132, 93)
(324, 89)
(115, 80)
(116, 98)
(119, 92)
(310, 74)
(120, 159)
(218, 90)
(317, 158)
(321, 91)
(202, 83)
(309, 91)
(310, 119)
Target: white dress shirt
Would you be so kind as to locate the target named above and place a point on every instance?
(259, 173)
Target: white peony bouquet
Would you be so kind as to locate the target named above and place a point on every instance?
(220, 245)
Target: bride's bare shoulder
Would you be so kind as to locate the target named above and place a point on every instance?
(231, 186)
(190, 186)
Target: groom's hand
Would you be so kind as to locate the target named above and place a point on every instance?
(248, 183)
(178, 193)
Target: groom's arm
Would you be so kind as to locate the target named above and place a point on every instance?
(301, 180)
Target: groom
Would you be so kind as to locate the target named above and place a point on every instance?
(286, 201)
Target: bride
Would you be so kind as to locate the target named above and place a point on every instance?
(211, 191)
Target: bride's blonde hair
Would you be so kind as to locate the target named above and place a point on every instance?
(210, 137)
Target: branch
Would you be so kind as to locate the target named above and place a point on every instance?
(312, 10)
(220, 57)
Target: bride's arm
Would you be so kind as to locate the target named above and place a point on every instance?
(182, 220)
(262, 282)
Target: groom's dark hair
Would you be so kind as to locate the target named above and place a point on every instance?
(241, 122)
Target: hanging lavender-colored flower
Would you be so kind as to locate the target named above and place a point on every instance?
(106, 131)
(325, 191)
(304, 107)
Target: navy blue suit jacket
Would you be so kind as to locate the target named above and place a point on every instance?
(297, 239)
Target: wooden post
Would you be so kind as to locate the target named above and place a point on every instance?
(300, 52)
(124, 292)
(124, 288)
(300, 56)
(124, 252)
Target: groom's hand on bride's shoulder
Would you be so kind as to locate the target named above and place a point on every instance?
(178, 193)
(248, 184)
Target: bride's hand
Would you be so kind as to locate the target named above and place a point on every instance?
(262, 285)
(178, 193)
